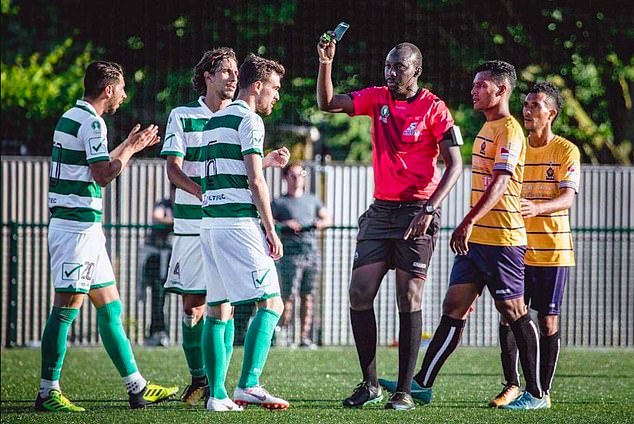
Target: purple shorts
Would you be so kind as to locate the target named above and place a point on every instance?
(545, 288)
(500, 268)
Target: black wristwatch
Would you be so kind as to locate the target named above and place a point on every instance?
(429, 209)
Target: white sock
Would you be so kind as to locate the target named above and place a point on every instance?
(134, 383)
(47, 385)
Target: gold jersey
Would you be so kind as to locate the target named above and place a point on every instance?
(499, 146)
(548, 170)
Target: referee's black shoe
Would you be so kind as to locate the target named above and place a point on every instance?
(400, 401)
(364, 394)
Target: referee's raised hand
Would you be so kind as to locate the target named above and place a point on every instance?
(326, 47)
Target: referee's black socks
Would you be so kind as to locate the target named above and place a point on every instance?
(364, 331)
(410, 329)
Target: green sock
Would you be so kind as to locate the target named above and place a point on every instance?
(192, 346)
(257, 344)
(229, 335)
(215, 356)
(54, 341)
(114, 338)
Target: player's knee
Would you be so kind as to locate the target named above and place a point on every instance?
(359, 298)
(548, 325)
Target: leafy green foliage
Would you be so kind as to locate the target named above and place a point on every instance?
(36, 88)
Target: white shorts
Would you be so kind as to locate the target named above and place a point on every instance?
(237, 266)
(185, 272)
(79, 261)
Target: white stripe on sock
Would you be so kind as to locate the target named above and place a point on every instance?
(517, 366)
(440, 352)
(550, 383)
(537, 364)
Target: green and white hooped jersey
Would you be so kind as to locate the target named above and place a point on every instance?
(229, 135)
(183, 138)
(74, 198)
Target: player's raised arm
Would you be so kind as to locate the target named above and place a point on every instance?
(327, 100)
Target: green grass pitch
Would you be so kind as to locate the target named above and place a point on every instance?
(590, 386)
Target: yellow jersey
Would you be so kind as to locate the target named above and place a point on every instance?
(499, 146)
(548, 170)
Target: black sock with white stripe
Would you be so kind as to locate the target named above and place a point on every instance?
(527, 339)
(410, 328)
(509, 355)
(364, 331)
(549, 353)
(445, 340)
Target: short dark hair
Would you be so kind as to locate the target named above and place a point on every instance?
(99, 75)
(501, 72)
(210, 62)
(256, 68)
(552, 94)
(415, 51)
(290, 165)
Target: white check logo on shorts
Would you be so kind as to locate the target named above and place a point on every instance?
(71, 271)
(259, 276)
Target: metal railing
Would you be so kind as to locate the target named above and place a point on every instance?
(597, 309)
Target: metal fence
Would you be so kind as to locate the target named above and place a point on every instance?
(597, 309)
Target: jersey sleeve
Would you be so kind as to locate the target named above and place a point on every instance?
(363, 100)
(251, 133)
(94, 134)
(174, 142)
(441, 120)
(570, 169)
(509, 143)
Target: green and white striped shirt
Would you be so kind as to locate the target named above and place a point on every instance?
(229, 135)
(74, 198)
(183, 138)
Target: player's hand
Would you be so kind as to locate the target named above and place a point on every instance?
(326, 46)
(293, 224)
(419, 225)
(529, 208)
(278, 158)
(140, 139)
(460, 238)
(276, 251)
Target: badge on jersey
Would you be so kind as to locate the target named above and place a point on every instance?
(384, 114)
(257, 138)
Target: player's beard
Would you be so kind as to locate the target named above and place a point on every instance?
(112, 107)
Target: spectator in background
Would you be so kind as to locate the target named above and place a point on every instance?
(155, 263)
(299, 213)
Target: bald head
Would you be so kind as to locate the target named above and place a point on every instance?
(411, 51)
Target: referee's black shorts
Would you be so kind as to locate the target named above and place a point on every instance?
(380, 237)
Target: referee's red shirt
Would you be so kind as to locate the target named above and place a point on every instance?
(405, 137)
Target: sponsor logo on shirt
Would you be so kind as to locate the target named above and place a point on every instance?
(419, 265)
(412, 130)
(96, 126)
(483, 148)
(503, 291)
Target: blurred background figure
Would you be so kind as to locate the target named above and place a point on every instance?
(156, 255)
(299, 214)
